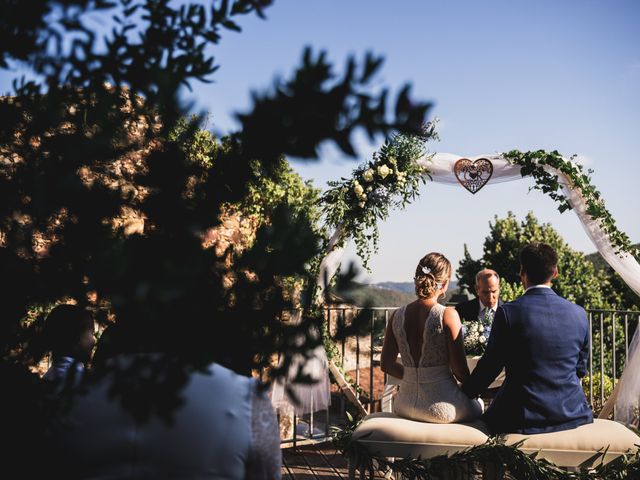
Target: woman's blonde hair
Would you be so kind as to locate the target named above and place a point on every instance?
(432, 273)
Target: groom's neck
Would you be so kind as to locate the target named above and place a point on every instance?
(527, 284)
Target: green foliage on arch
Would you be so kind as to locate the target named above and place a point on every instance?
(391, 179)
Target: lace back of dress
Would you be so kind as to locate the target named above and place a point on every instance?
(434, 348)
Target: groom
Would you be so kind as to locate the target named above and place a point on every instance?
(542, 340)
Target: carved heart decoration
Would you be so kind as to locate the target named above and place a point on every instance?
(473, 175)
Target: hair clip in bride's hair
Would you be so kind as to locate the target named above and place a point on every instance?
(426, 270)
(439, 286)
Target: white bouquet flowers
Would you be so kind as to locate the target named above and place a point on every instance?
(476, 336)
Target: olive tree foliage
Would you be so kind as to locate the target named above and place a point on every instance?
(266, 193)
(266, 190)
(64, 132)
(578, 281)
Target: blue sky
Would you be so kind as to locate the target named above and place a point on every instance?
(502, 75)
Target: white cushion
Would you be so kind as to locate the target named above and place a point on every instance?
(579, 446)
(387, 434)
(392, 436)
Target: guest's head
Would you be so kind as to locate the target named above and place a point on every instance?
(538, 264)
(69, 331)
(190, 338)
(488, 287)
(432, 275)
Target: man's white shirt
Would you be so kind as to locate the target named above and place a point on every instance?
(536, 286)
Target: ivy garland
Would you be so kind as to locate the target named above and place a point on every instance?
(533, 164)
(390, 180)
(493, 457)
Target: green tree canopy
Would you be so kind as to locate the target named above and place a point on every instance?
(266, 189)
(578, 281)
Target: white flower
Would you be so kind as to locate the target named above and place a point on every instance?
(392, 160)
(482, 340)
(368, 175)
(369, 188)
(426, 270)
(380, 194)
(363, 197)
(481, 328)
(383, 171)
(361, 204)
(358, 190)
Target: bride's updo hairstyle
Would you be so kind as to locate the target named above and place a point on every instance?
(432, 273)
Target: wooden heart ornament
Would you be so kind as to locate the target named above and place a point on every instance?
(473, 175)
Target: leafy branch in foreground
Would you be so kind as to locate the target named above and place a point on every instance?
(87, 135)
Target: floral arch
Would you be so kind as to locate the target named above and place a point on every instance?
(392, 178)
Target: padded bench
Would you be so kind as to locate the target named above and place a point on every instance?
(392, 436)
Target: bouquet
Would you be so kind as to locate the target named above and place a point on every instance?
(476, 335)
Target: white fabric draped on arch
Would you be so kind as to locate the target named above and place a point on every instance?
(440, 167)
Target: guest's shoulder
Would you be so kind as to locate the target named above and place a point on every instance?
(218, 369)
(226, 375)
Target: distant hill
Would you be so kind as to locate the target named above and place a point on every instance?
(407, 287)
(599, 262)
(385, 294)
(374, 296)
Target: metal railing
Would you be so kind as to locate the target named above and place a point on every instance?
(610, 334)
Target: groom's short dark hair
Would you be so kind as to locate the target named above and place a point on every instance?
(538, 261)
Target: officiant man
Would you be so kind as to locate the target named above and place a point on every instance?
(487, 300)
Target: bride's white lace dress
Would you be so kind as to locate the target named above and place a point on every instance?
(428, 391)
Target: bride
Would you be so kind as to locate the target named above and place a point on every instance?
(428, 337)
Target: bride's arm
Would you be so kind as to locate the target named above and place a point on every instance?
(389, 358)
(455, 344)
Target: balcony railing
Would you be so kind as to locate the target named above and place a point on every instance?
(359, 358)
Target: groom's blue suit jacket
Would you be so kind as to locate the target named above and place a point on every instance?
(542, 341)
